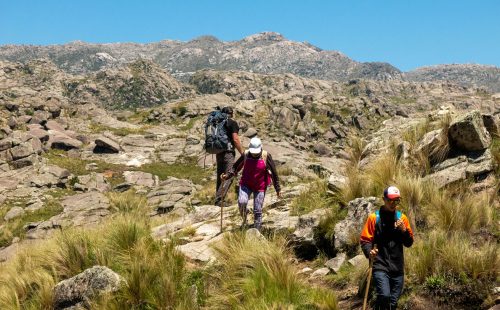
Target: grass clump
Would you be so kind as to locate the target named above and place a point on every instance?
(155, 273)
(15, 227)
(255, 274)
(128, 202)
(315, 197)
(186, 169)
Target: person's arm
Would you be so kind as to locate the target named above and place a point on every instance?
(237, 166)
(368, 235)
(237, 143)
(274, 173)
(404, 227)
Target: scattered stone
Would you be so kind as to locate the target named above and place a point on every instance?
(320, 273)
(250, 133)
(357, 260)
(336, 182)
(79, 290)
(13, 213)
(305, 270)
(106, 145)
(139, 178)
(335, 263)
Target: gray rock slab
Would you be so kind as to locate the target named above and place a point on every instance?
(320, 273)
(357, 212)
(140, 178)
(14, 213)
(335, 263)
(357, 260)
(82, 288)
(468, 133)
(106, 145)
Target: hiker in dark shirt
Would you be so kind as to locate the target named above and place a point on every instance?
(259, 171)
(226, 159)
(382, 239)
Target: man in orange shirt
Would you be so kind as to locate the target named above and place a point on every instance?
(385, 233)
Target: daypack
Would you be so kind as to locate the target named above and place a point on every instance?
(377, 213)
(216, 137)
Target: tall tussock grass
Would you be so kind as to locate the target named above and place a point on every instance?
(453, 255)
(155, 273)
(256, 274)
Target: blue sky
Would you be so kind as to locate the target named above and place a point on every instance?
(407, 34)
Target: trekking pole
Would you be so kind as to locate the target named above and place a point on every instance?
(367, 289)
(221, 208)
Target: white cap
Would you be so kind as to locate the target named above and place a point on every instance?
(255, 146)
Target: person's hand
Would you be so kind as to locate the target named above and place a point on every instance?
(279, 195)
(400, 225)
(373, 253)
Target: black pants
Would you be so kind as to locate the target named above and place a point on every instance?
(225, 161)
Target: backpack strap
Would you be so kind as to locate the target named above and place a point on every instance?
(397, 216)
(264, 157)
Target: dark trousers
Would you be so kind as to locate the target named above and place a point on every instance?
(388, 289)
(225, 161)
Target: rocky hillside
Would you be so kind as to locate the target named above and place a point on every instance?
(266, 52)
(466, 75)
(108, 169)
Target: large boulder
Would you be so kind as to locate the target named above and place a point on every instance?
(140, 178)
(491, 124)
(170, 194)
(86, 209)
(60, 140)
(303, 238)
(79, 290)
(357, 212)
(468, 133)
(106, 145)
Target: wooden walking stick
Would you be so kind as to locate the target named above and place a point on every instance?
(367, 289)
(221, 208)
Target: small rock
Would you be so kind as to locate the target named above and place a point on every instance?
(357, 260)
(305, 270)
(250, 133)
(13, 213)
(320, 273)
(335, 263)
(80, 289)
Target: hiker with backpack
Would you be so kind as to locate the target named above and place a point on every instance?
(385, 233)
(221, 138)
(259, 171)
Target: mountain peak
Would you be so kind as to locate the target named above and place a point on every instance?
(264, 36)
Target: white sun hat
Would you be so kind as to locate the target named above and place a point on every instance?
(255, 146)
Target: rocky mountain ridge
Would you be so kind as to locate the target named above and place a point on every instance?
(267, 52)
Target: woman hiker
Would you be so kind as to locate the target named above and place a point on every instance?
(259, 172)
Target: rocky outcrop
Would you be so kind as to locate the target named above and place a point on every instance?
(468, 133)
(171, 194)
(106, 145)
(85, 209)
(357, 212)
(140, 83)
(79, 290)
